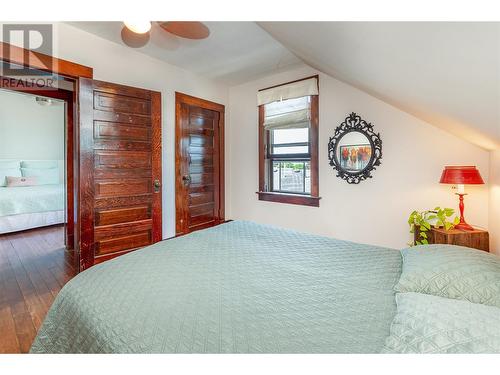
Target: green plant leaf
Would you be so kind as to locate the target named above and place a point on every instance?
(418, 242)
(426, 225)
(423, 235)
(425, 242)
(449, 212)
(448, 225)
(456, 220)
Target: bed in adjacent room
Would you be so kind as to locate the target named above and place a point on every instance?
(31, 195)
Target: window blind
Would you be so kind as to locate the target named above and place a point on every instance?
(293, 90)
(288, 114)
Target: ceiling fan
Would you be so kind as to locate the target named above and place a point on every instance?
(137, 33)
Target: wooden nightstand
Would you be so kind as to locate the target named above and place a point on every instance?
(477, 238)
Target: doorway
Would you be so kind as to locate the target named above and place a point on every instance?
(37, 159)
(199, 163)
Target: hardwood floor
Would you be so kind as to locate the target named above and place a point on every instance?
(34, 266)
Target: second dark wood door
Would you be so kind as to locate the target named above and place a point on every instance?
(199, 164)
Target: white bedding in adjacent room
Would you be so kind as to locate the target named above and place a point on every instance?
(31, 199)
(30, 207)
(14, 223)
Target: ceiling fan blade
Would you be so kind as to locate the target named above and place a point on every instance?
(134, 40)
(186, 29)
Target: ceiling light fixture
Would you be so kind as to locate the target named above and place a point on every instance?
(138, 27)
(44, 101)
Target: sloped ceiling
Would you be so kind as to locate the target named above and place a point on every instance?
(234, 52)
(447, 74)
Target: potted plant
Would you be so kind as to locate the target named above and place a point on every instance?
(421, 223)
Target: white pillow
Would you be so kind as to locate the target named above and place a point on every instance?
(13, 172)
(44, 176)
(39, 164)
(9, 164)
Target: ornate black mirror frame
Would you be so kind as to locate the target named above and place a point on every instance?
(354, 123)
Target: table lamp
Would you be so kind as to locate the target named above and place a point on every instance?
(461, 176)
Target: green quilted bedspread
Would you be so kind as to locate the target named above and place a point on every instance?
(236, 288)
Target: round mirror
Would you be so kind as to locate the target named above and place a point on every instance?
(355, 149)
(354, 152)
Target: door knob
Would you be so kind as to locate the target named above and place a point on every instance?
(157, 185)
(187, 179)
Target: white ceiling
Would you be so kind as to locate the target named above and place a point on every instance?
(447, 74)
(235, 52)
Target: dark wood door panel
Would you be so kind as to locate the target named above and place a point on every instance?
(201, 140)
(200, 150)
(107, 231)
(119, 159)
(121, 163)
(202, 222)
(122, 188)
(103, 174)
(202, 189)
(122, 215)
(121, 202)
(126, 118)
(200, 163)
(104, 101)
(200, 159)
(200, 168)
(206, 209)
(126, 242)
(203, 179)
(201, 198)
(106, 130)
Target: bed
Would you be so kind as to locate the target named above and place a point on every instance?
(239, 287)
(31, 207)
(27, 207)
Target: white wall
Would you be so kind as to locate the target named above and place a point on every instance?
(495, 201)
(376, 210)
(29, 130)
(119, 64)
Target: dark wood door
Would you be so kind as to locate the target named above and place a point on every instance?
(120, 170)
(199, 164)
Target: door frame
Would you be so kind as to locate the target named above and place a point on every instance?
(67, 97)
(73, 72)
(181, 98)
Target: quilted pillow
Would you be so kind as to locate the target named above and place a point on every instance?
(44, 176)
(4, 172)
(430, 324)
(453, 272)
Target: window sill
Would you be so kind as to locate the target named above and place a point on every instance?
(303, 200)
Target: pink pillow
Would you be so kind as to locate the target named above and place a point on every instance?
(20, 181)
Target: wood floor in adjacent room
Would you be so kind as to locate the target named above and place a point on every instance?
(34, 266)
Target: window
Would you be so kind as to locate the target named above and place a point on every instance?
(288, 137)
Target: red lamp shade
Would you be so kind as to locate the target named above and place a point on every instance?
(461, 175)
